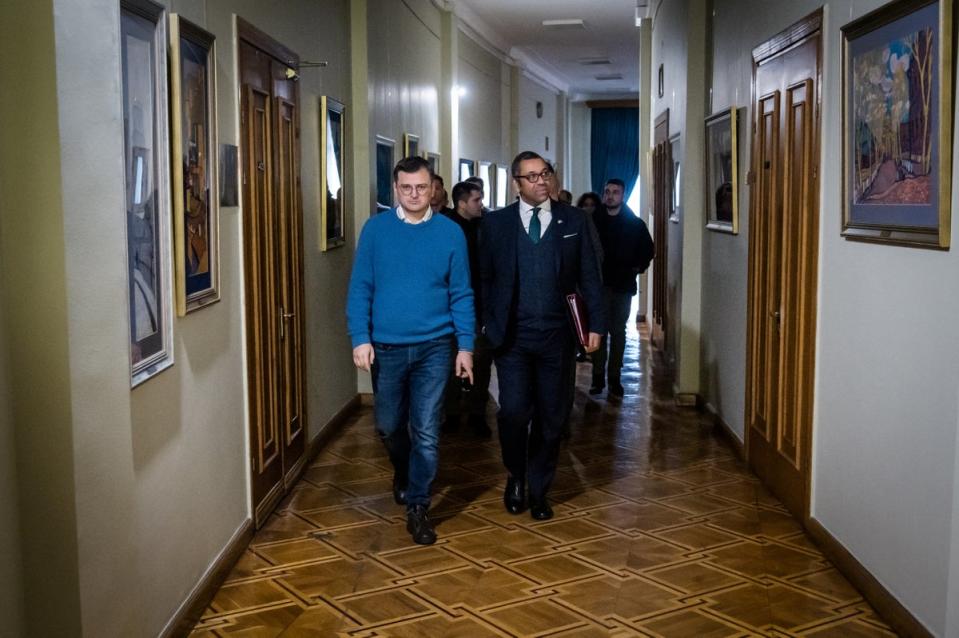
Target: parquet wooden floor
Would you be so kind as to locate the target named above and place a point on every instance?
(659, 531)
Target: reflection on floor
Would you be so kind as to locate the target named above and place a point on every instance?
(659, 531)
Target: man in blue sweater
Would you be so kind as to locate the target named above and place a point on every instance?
(409, 306)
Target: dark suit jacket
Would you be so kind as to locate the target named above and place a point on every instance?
(576, 267)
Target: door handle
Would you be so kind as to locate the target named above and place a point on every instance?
(775, 315)
(283, 317)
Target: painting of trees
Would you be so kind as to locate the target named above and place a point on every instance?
(892, 101)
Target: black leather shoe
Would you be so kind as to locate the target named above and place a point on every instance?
(399, 490)
(515, 495)
(596, 389)
(419, 526)
(540, 510)
(616, 389)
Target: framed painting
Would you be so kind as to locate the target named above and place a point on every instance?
(467, 168)
(195, 211)
(411, 145)
(143, 54)
(897, 108)
(722, 196)
(434, 160)
(502, 186)
(384, 174)
(332, 180)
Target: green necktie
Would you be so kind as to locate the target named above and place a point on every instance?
(534, 228)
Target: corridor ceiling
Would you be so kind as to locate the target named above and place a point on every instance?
(599, 58)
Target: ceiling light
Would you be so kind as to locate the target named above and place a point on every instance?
(564, 25)
(594, 61)
(609, 77)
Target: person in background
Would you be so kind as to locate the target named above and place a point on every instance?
(409, 306)
(471, 400)
(439, 200)
(532, 254)
(627, 251)
(566, 197)
(477, 181)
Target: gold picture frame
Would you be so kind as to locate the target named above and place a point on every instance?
(411, 145)
(192, 56)
(332, 175)
(722, 172)
(897, 79)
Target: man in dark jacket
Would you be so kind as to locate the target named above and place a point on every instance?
(627, 251)
(532, 254)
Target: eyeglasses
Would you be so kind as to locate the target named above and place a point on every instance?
(532, 178)
(407, 189)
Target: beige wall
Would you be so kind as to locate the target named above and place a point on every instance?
(534, 130)
(886, 415)
(35, 325)
(482, 133)
(158, 474)
(11, 586)
(579, 172)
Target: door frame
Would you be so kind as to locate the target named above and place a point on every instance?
(780, 43)
(248, 34)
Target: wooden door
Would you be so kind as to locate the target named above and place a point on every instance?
(662, 195)
(783, 253)
(272, 249)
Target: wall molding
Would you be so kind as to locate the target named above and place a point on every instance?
(191, 609)
(882, 600)
(738, 446)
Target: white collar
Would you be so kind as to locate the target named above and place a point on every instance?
(403, 218)
(525, 207)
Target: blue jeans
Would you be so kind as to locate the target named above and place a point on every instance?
(408, 384)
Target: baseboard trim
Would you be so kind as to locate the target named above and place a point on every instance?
(687, 399)
(192, 608)
(738, 446)
(885, 604)
(332, 427)
(366, 399)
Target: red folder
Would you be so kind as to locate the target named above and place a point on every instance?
(579, 318)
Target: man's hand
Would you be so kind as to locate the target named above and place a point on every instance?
(464, 365)
(363, 356)
(591, 346)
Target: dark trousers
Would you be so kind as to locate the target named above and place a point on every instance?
(617, 314)
(533, 375)
(472, 402)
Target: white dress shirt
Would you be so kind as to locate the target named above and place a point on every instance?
(545, 215)
(406, 220)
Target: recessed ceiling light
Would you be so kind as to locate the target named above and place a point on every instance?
(609, 77)
(564, 25)
(594, 61)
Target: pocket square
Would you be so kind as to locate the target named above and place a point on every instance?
(568, 236)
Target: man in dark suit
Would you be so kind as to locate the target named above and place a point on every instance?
(532, 254)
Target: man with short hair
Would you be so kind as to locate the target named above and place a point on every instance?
(479, 183)
(409, 305)
(468, 203)
(534, 253)
(439, 199)
(627, 251)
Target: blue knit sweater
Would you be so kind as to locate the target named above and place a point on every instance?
(410, 283)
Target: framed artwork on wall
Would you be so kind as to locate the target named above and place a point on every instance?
(332, 180)
(487, 175)
(143, 40)
(434, 160)
(467, 168)
(384, 173)
(195, 210)
(897, 106)
(411, 145)
(502, 186)
(722, 191)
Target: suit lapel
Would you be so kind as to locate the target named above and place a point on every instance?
(559, 229)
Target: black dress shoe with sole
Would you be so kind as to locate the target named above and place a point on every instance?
(514, 496)
(595, 390)
(399, 491)
(540, 510)
(419, 526)
(616, 389)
